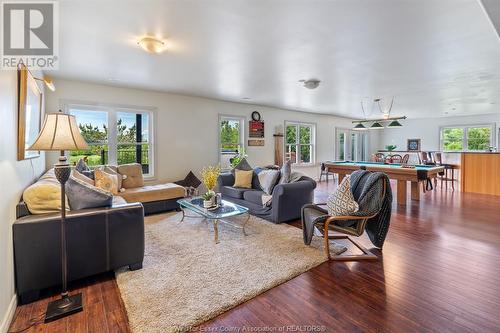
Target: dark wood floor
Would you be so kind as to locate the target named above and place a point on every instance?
(439, 272)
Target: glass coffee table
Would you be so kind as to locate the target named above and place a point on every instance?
(220, 214)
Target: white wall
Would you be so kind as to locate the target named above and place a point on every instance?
(16, 175)
(186, 127)
(428, 130)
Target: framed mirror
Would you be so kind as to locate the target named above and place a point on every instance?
(29, 113)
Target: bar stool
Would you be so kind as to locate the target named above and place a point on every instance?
(448, 168)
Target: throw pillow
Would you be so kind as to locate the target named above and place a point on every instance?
(81, 166)
(82, 195)
(113, 170)
(268, 179)
(243, 165)
(82, 177)
(132, 175)
(341, 202)
(106, 181)
(243, 178)
(286, 171)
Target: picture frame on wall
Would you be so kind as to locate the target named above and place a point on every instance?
(413, 144)
(29, 113)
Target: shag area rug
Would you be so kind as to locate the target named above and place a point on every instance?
(187, 279)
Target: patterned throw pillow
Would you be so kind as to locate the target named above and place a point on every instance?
(106, 181)
(341, 202)
(81, 166)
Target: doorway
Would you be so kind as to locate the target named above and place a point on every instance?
(350, 145)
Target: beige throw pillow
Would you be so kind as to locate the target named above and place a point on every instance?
(341, 202)
(106, 181)
(133, 173)
(243, 178)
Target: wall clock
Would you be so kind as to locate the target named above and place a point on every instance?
(255, 116)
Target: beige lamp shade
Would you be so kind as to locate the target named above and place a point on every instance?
(59, 132)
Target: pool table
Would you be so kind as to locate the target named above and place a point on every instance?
(402, 175)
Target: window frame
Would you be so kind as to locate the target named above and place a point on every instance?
(242, 135)
(112, 111)
(465, 136)
(298, 145)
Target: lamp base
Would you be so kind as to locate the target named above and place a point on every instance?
(63, 307)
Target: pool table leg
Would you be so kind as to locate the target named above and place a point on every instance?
(401, 192)
(415, 191)
(341, 177)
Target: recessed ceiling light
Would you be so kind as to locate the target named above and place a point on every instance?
(246, 98)
(152, 44)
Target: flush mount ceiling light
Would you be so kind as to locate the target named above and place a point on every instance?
(311, 83)
(152, 44)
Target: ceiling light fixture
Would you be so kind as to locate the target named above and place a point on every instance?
(360, 127)
(394, 124)
(152, 44)
(311, 83)
(377, 125)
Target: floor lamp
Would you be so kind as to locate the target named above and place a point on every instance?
(60, 132)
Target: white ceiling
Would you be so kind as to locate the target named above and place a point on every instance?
(437, 57)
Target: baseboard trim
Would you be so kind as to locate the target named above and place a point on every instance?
(9, 315)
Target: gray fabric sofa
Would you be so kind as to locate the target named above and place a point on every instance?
(287, 199)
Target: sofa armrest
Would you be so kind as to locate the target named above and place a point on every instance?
(288, 199)
(225, 179)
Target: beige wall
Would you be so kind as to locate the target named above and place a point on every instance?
(186, 127)
(15, 175)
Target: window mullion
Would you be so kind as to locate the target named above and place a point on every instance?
(112, 138)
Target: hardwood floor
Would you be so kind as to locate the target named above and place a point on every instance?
(439, 272)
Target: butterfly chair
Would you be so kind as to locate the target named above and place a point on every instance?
(350, 225)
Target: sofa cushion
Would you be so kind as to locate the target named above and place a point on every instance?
(233, 192)
(150, 193)
(82, 195)
(286, 170)
(253, 196)
(133, 173)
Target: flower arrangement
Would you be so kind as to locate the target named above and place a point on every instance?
(209, 177)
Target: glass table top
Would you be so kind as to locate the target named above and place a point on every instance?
(226, 209)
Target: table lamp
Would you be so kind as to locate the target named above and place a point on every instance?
(60, 132)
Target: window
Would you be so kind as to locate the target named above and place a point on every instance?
(299, 142)
(231, 138)
(467, 138)
(115, 135)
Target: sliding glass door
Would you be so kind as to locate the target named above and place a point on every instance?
(350, 145)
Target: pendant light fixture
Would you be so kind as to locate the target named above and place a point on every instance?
(360, 127)
(394, 124)
(377, 125)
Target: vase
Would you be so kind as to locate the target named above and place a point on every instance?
(207, 203)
